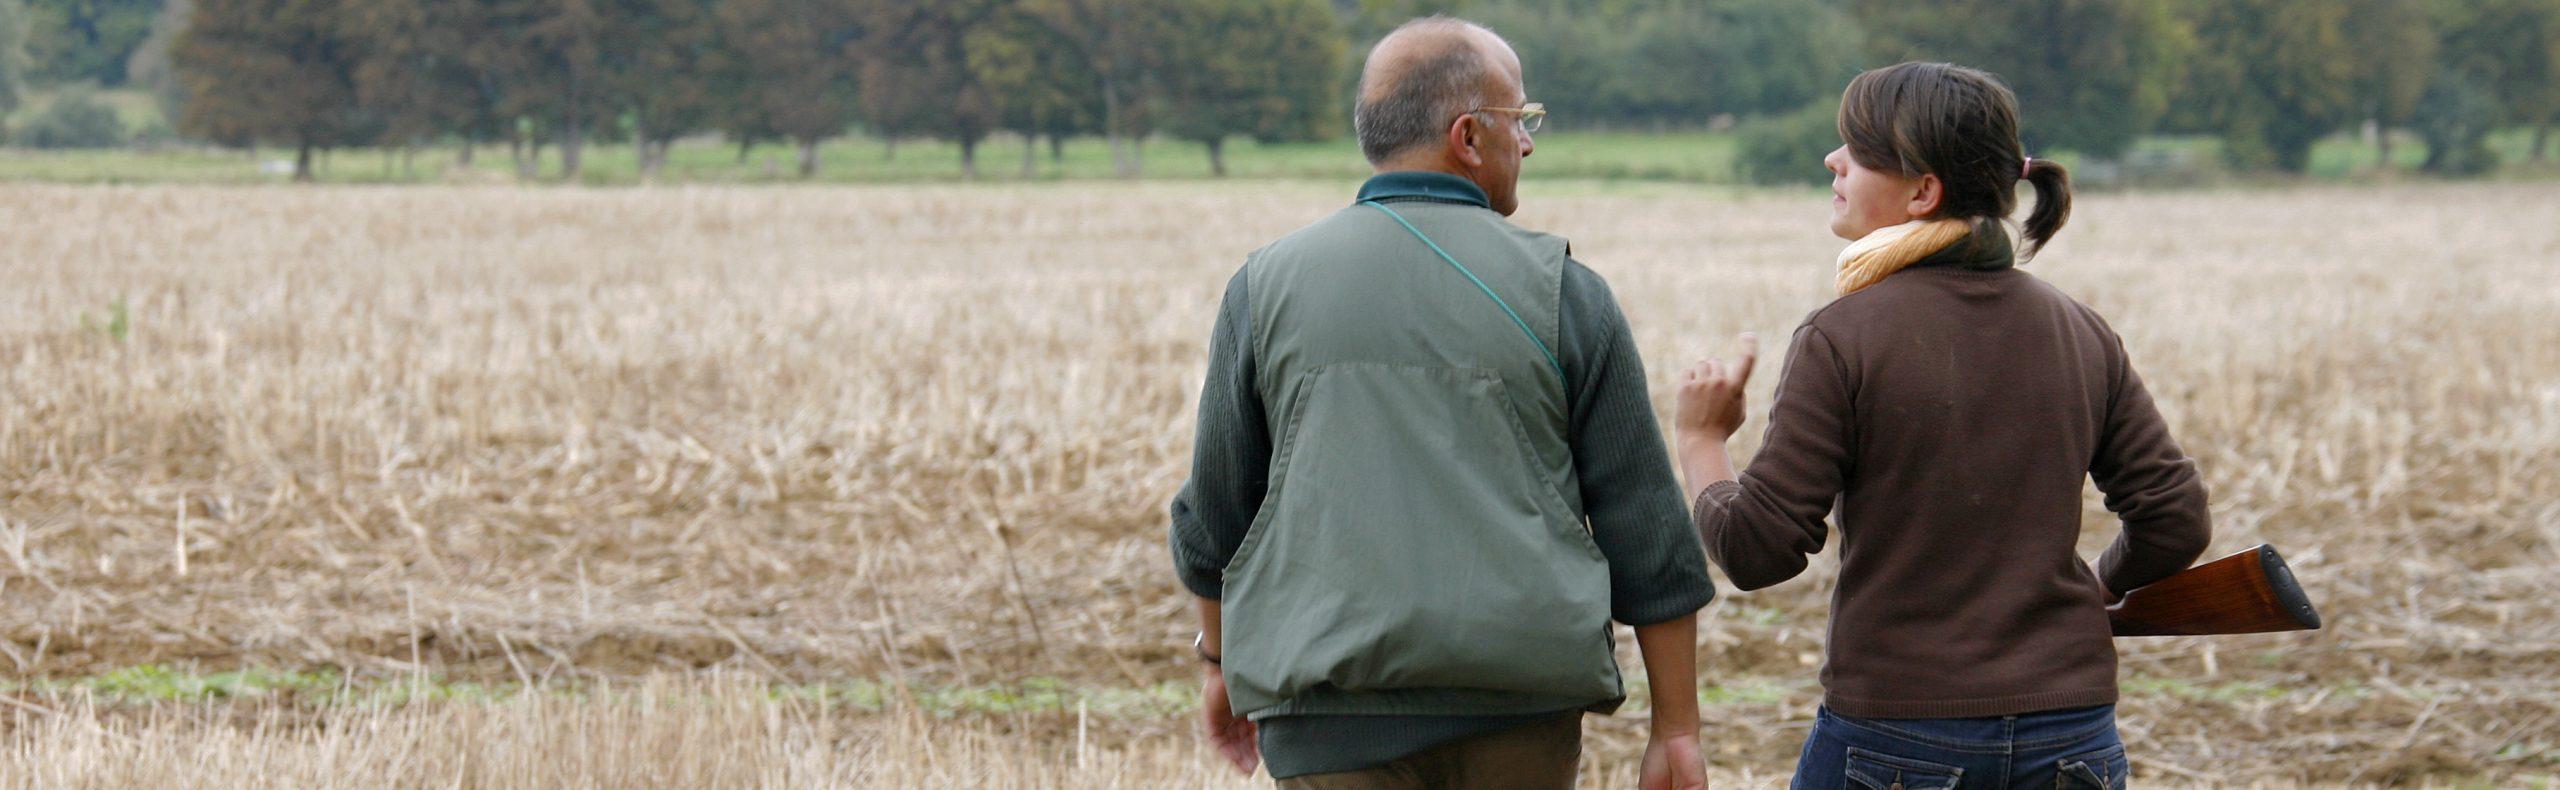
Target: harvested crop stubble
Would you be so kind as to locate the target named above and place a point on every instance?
(563, 436)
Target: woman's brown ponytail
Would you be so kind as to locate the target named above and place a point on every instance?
(2053, 203)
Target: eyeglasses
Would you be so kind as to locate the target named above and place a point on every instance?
(1532, 115)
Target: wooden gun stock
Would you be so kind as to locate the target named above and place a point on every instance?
(2251, 592)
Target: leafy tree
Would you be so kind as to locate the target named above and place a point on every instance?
(916, 78)
(74, 119)
(1779, 55)
(1575, 63)
(1264, 68)
(278, 72)
(13, 55)
(1121, 45)
(1039, 79)
(2272, 76)
(1672, 66)
(2091, 75)
(2521, 38)
(2498, 66)
(149, 67)
(1788, 149)
(2455, 116)
(86, 40)
(2397, 41)
(539, 67)
(656, 69)
(788, 71)
(1659, 62)
(557, 47)
(418, 80)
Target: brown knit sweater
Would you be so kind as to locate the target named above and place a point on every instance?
(1952, 412)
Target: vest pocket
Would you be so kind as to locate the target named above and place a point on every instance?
(1409, 541)
(1565, 518)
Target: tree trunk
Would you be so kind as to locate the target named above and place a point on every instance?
(648, 153)
(744, 146)
(573, 143)
(809, 157)
(1120, 163)
(1030, 156)
(1058, 149)
(2541, 138)
(2292, 150)
(968, 158)
(2382, 141)
(462, 159)
(528, 154)
(573, 138)
(302, 164)
(1218, 157)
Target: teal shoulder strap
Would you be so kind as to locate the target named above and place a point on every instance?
(1471, 277)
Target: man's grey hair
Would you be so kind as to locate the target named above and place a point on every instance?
(1420, 99)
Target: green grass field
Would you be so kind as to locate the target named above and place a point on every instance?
(1564, 153)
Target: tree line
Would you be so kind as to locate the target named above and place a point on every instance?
(552, 77)
(2269, 77)
(562, 74)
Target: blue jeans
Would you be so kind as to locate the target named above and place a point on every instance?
(2059, 748)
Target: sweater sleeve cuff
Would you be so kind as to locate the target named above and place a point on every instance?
(1671, 604)
(1716, 495)
(1202, 577)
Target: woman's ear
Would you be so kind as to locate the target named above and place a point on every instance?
(1926, 195)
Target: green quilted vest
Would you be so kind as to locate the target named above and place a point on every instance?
(1422, 547)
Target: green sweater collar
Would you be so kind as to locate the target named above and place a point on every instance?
(1422, 185)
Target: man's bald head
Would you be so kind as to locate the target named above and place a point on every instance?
(1424, 74)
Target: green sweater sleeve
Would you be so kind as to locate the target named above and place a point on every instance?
(1657, 569)
(1230, 455)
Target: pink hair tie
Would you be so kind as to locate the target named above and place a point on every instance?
(2027, 167)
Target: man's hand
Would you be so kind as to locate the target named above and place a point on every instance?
(1233, 735)
(1672, 762)
(1711, 406)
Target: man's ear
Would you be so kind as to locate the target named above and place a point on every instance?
(1463, 142)
(1926, 197)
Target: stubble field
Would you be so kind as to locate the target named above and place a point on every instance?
(864, 486)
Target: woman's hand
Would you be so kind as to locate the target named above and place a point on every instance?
(1711, 406)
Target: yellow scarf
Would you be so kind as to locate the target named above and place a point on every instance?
(1887, 250)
